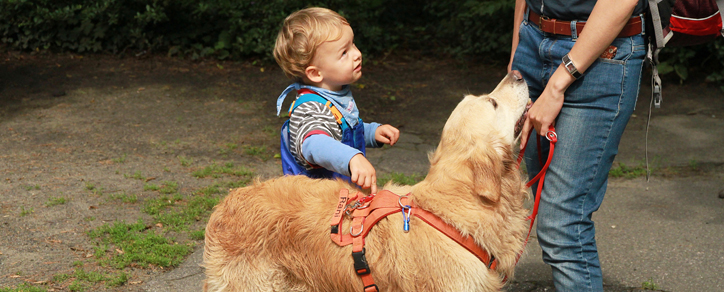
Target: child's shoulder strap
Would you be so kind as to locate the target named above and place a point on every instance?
(306, 95)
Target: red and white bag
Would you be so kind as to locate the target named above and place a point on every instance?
(675, 23)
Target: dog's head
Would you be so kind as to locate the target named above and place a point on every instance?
(477, 141)
(498, 115)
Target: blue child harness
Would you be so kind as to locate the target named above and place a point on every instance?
(351, 136)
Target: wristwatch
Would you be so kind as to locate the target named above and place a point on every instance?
(568, 63)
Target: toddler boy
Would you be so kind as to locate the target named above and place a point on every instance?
(324, 136)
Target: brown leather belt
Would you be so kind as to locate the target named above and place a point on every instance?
(554, 26)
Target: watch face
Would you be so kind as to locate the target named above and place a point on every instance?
(570, 67)
(568, 63)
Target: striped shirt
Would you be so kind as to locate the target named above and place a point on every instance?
(307, 118)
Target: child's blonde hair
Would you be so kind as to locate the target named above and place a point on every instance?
(302, 32)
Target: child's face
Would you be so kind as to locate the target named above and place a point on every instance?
(338, 62)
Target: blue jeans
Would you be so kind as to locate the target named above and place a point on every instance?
(595, 111)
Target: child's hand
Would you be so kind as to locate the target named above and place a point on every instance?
(363, 174)
(387, 134)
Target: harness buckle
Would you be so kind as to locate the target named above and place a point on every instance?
(360, 263)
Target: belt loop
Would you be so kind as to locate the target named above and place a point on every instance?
(574, 30)
(525, 17)
(643, 24)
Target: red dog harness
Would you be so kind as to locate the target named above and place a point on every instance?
(366, 211)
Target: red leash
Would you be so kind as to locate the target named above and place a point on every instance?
(540, 177)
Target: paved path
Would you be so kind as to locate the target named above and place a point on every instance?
(668, 231)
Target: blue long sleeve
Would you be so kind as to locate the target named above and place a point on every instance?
(325, 151)
(370, 129)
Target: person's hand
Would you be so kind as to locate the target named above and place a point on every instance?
(543, 113)
(387, 134)
(362, 173)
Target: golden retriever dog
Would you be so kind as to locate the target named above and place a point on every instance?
(275, 235)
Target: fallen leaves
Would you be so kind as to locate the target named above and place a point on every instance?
(48, 240)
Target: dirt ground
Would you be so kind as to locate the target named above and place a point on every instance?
(82, 134)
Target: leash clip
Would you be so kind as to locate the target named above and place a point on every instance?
(349, 208)
(552, 136)
(405, 216)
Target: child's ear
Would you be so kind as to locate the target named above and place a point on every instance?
(313, 74)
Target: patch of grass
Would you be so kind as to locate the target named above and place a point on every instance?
(216, 171)
(216, 188)
(33, 187)
(257, 151)
(89, 219)
(24, 287)
(100, 251)
(121, 159)
(269, 130)
(137, 245)
(228, 148)
(123, 197)
(185, 162)
(118, 280)
(178, 214)
(210, 190)
(154, 206)
(693, 164)
(92, 277)
(76, 286)
(198, 234)
(24, 212)
(400, 178)
(59, 278)
(238, 183)
(136, 175)
(151, 187)
(254, 150)
(621, 170)
(649, 285)
(54, 201)
(82, 280)
(167, 187)
(93, 189)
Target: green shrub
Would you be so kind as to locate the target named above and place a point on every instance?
(474, 28)
(237, 28)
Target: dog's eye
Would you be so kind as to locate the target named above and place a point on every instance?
(495, 103)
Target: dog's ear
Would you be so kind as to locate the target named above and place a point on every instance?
(488, 188)
(487, 179)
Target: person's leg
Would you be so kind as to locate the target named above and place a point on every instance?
(594, 115)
